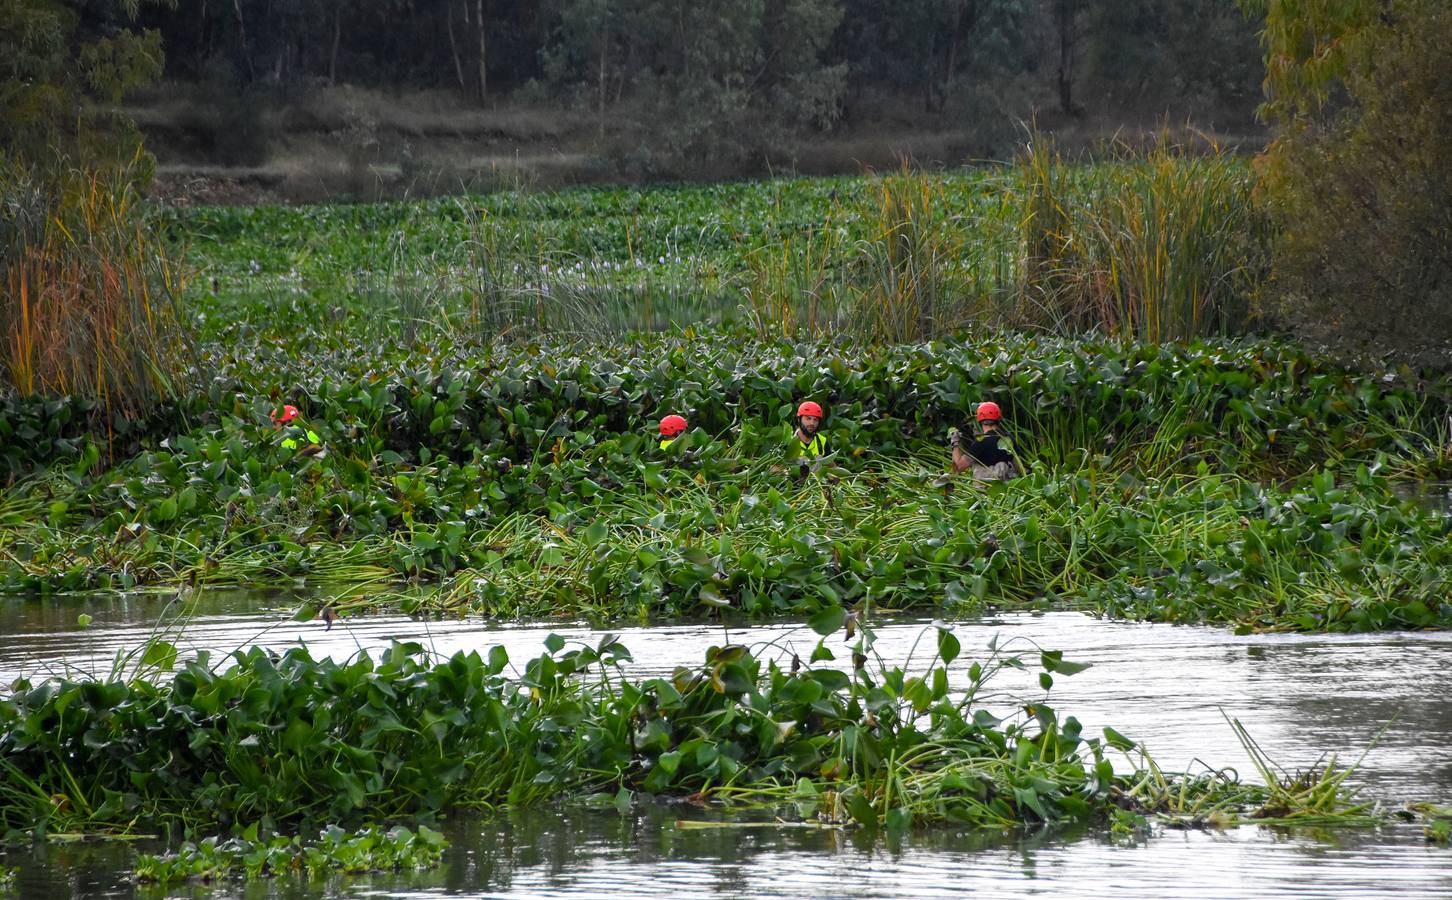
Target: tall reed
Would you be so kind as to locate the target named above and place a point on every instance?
(909, 270)
(87, 307)
(794, 289)
(1167, 245)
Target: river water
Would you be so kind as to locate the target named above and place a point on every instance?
(1301, 697)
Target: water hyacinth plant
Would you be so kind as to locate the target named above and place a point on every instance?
(523, 475)
(335, 851)
(292, 739)
(1160, 244)
(514, 475)
(1436, 822)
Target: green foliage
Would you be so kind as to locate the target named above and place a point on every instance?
(1358, 185)
(296, 740)
(1310, 48)
(335, 851)
(59, 82)
(1436, 822)
(1164, 244)
(518, 477)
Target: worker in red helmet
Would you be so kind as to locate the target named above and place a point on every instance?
(991, 455)
(289, 420)
(671, 427)
(809, 419)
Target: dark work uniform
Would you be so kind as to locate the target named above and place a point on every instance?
(986, 452)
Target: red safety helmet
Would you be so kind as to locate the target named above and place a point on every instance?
(809, 408)
(671, 426)
(988, 411)
(289, 412)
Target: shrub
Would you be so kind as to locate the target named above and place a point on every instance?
(1359, 187)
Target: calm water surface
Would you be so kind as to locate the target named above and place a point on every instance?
(1301, 697)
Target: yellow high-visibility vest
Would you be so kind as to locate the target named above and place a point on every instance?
(666, 442)
(290, 443)
(817, 446)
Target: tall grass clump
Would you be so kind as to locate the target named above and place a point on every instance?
(794, 289)
(88, 287)
(516, 282)
(909, 270)
(1163, 245)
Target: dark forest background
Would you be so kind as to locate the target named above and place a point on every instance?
(643, 89)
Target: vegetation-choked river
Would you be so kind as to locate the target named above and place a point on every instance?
(1300, 697)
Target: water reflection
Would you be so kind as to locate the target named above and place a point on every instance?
(576, 853)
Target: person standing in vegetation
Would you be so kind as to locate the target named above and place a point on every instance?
(991, 455)
(809, 419)
(288, 419)
(671, 427)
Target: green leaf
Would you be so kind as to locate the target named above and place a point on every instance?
(160, 655)
(861, 809)
(669, 762)
(554, 643)
(1117, 740)
(828, 620)
(164, 511)
(948, 646)
(712, 597)
(596, 533)
(1053, 661)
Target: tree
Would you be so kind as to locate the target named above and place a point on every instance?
(1069, 28)
(63, 63)
(926, 46)
(721, 77)
(1361, 92)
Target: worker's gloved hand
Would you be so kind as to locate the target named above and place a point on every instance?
(955, 437)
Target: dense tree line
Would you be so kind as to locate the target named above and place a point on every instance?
(805, 59)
